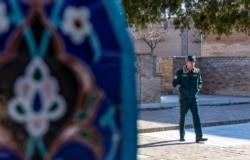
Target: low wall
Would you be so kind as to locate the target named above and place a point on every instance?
(220, 75)
(148, 80)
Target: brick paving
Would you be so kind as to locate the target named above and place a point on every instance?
(152, 120)
(158, 149)
(223, 144)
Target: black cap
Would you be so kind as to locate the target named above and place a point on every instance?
(190, 58)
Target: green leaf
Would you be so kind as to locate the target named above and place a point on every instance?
(20, 109)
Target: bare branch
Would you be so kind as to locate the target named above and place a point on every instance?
(152, 35)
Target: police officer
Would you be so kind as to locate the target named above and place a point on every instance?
(188, 81)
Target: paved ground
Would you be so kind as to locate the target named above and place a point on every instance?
(230, 142)
(168, 119)
(226, 125)
(170, 101)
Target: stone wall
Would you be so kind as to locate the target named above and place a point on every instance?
(220, 75)
(166, 74)
(226, 75)
(236, 44)
(148, 80)
(173, 42)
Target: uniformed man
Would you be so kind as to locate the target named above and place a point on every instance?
(188, 81)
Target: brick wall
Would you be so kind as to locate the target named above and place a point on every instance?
(220, 75)
(226, 75)
(167, 72)
(172, 44)
(148, 81)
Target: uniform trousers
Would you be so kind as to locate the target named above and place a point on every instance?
(186, 104)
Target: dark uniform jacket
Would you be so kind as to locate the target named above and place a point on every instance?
(188, 82)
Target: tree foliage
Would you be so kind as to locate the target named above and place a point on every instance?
(142, 12)
(208, 16)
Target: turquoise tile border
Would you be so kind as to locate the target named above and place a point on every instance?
(129, 100)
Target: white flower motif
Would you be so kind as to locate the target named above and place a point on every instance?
(4, 22)
(36, 100)
(76, 23)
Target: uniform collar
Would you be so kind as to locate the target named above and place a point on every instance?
(185, 70)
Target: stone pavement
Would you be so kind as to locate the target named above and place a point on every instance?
(170, 101)
(222, 112)
(229, 138)
(229, 142)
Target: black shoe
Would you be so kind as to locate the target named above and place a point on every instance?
(182, 139)
(201, 139)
